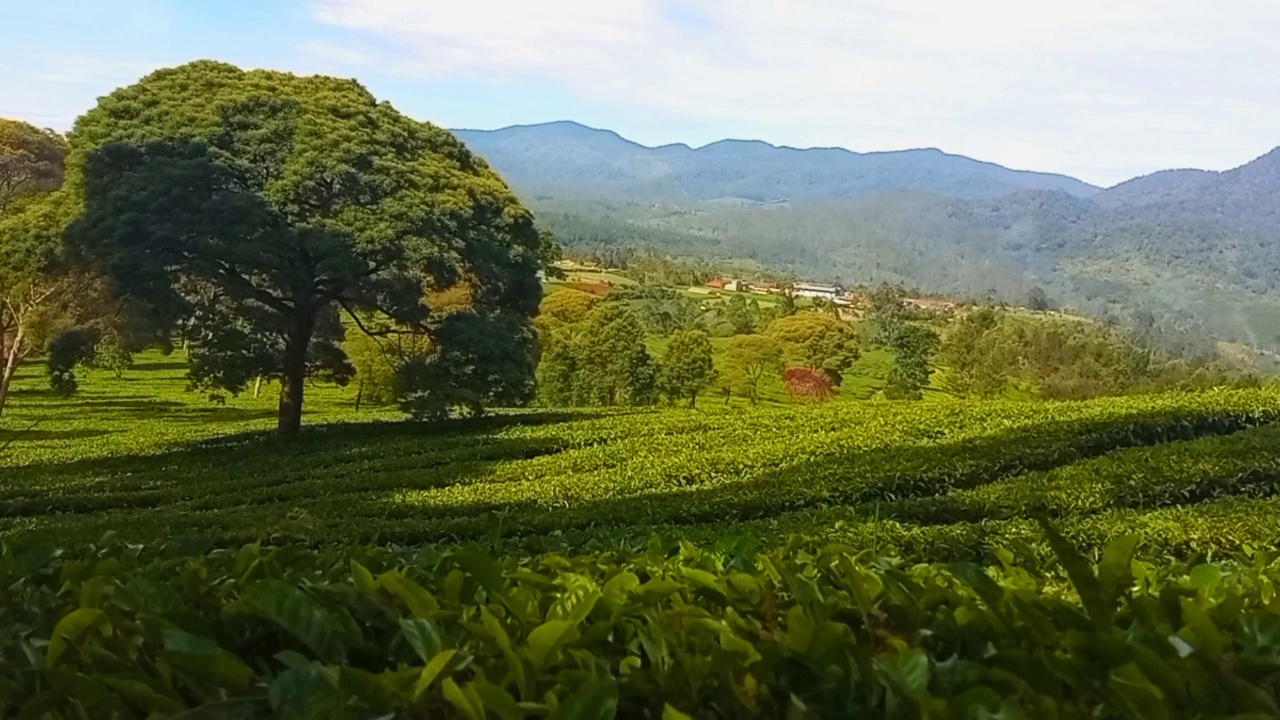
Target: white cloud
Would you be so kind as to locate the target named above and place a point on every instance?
(1100, 88)
(335, 53)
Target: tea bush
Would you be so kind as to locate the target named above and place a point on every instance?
(116, 631)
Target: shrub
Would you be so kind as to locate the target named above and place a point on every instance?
(808, 385)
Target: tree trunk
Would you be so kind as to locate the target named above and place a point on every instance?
(257, 387)
(11, 358)
(359, 395)
(294, 376)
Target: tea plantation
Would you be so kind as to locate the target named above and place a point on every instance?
(166, 555)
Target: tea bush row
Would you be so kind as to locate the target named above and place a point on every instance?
(113, 631)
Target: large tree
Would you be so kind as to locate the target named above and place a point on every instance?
(817, 340)
(258, 205)
(35, 285)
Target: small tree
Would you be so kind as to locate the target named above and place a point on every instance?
(611, 364)
(977, 355)
(376, 368)
(1037, 299)
(687, 367)
(738, 314)
(808, 385)
(568, 306)
(476, 361)
(558, 368)
(749, 360)
(31, 162)
(913, 348)
(786, 305)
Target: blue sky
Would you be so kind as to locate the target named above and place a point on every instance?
(1100, 89)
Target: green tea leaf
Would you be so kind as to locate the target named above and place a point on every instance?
(362, 578)
(595, 699)
(467, 703)
(297, 612)
(422, 636)
(420, 602)
(547, 639)
(70, 629)
(1080, 572)
(433, 669)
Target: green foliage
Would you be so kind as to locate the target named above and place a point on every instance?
(568, 306)
(552, 479)
(989, 350)
(376, 366)
(303, 195)
(749, 360)
(69, 349)
(111, 353)
(31, 162)
(476, 361)
(284, 631)
(686, 368)
(913, 349)
(601, 360)
(816, 340)
(743, 317)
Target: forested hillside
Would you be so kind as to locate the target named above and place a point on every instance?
(1187, 255)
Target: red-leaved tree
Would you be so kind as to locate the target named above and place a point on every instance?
(808, 385)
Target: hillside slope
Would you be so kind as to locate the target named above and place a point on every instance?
(1190, 255)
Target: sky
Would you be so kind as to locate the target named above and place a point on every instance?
(1103, 90)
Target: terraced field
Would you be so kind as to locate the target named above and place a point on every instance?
(937, 480)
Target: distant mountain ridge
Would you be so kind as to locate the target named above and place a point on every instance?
(566, 155)
(1188, 254)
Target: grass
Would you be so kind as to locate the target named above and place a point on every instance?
(146, 458)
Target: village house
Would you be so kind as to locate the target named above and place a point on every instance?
(816, 290)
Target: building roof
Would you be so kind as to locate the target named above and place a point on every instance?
(816, 287)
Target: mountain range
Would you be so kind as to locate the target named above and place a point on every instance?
(1187, 255)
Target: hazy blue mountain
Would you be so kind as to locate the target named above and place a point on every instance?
(1188, 254)
(560, 157)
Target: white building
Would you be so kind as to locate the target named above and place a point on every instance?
(815, 290)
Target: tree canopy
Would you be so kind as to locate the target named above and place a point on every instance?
(599, 360)
(749, 360)
(31, 161)
(687, 366)
(256, 205)
(816, 340)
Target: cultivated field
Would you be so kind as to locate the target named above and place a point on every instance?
(165, 556)
(144, 458)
